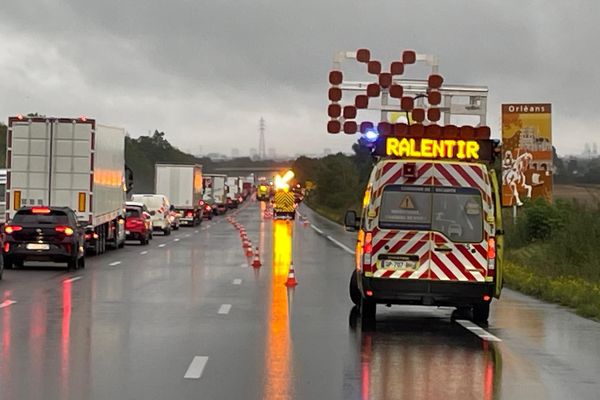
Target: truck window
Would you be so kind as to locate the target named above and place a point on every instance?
(455, 212)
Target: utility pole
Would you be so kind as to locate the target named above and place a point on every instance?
(262, 151)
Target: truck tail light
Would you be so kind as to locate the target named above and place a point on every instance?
(491, 257)
(9, 229)
(66, 230)
(368, 252)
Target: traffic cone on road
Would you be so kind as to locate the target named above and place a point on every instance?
(249, 250)
(256, 262)
(291, 279)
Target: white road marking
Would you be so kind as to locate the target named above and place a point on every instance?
(176, 240)
(162, 245)
(7, 303)
(144, 252)
(196, 231)
(477, 330)
(115, 263)
(76, 278)
(224, 309)
(341, 245)
(237, 282)
(196, 367)
(317, 229)
(188, 235)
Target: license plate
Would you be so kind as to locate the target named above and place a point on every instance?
(127, 232)
(396, 265)
(38, 246)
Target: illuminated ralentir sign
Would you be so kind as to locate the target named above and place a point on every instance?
(433, 148)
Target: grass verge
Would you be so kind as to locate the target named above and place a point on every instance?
(581, 295)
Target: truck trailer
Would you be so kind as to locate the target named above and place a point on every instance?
(182, 184)
(69, 162)
(216, 189)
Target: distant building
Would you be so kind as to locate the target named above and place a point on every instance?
(235, 152)
(271, 153)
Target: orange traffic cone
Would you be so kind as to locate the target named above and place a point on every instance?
(291, 279)
(249, 250)
(256, 262)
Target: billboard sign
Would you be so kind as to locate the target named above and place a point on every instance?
(526, 153)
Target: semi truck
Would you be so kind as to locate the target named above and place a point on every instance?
(2, 194)
(182, 184)
(216, 189)
(69, 162)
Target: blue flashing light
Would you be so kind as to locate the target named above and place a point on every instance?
(371, 135)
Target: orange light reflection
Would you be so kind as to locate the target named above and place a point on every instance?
(278, 351)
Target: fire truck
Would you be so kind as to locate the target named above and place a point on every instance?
(430, 228)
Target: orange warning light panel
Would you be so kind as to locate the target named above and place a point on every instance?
(426, 148)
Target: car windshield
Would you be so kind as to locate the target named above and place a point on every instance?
(152, 202)
(54, 217)
(133, 212)
(455, 212)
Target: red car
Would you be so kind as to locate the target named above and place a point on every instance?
(137, 223)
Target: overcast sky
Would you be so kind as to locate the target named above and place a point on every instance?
(206, 71)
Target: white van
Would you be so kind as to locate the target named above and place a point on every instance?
(159, 207)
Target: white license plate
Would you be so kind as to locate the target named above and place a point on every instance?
(38, 246)
(396, 265)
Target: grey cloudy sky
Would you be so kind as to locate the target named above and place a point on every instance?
(206, 71)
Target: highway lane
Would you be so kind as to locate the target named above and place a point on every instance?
(191, 319)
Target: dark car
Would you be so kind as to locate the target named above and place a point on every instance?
(44, 234)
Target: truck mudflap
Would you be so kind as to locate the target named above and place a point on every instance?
(426, 292)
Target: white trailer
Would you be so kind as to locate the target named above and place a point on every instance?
(182, 184)
(216, 187)
(3, 173)
(69, 162)
(233, 192)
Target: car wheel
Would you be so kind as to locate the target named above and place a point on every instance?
(368, 310)
(354, 291)
(81, 262)
(481, 312)
(8, 264)
(72, 264)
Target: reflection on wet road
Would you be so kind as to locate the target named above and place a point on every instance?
(131, 330)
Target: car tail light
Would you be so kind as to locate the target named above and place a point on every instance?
(201, 203)
(67, 230)
(491, 257)
(6, 247)
(190, 214)
(8, 229)
(40, 210)
(240, 199)
(208, 208)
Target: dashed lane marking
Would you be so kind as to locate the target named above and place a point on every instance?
(477, 330)
(75, 278)
(7, 303)
(162, 245)
(341, 245)
(144, 252)
(114, 263)
(316, 229)
(237, 282)
(224, 309)
(188, 235)
(196, 231)
(196, 367)
(176, 240)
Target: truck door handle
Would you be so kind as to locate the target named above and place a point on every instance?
(443, 249)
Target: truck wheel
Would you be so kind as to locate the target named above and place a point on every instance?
(368, 310)
(354, 292)
(481, 312)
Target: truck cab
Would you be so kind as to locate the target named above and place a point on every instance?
(430, 228)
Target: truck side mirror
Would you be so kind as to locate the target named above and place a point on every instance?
(351, 221)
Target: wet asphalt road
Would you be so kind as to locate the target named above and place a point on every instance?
(137, 321)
